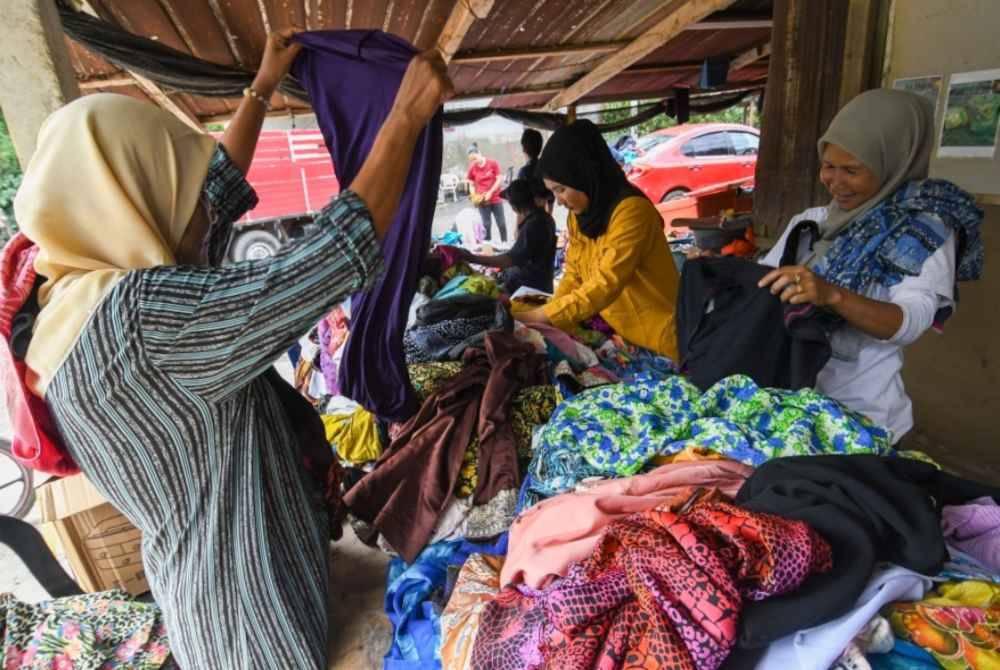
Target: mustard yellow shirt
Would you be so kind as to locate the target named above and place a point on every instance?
(627, 275)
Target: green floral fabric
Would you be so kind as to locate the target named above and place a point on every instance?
(105, 631)
(616, 430)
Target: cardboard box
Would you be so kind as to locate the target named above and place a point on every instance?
(101, 545)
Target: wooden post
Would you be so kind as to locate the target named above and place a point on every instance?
(36, 76)
(802, 95)
(571, 113)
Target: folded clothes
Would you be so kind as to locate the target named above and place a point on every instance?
(975, 530)
(548, 537)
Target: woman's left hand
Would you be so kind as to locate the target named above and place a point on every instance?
(797, 285)
(533, 316)
(279, 52)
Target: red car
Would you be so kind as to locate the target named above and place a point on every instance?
(674, 161)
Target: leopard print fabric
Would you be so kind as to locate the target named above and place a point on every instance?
(661, 590)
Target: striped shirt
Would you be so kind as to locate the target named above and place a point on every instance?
(162, 404)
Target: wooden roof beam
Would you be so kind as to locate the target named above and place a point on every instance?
(463, 15)
(536, 52)
(113, 81)
(734, 21)
(665, 30)
(160, 97)
(750, 57)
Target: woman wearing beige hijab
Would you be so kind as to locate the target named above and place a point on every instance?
(152, 359)
(891, 246)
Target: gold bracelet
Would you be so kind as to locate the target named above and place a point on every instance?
(248, 92)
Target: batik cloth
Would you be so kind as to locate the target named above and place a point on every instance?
(661, 590)
(616, 430)
(894, 239)
(959, 625)
(106, 631)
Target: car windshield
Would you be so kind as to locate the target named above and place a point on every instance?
(649, 143)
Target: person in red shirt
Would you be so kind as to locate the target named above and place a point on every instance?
(484, 185)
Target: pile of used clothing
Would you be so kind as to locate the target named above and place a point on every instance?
(568, 500)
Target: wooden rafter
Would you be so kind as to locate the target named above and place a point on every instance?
(536, 52)
(463, 15)
(541, 89)
(152, 89)
(160, 97)
(750, 57)
(665, 30)
(113, 81)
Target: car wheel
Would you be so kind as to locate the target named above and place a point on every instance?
(255, 245)
(674, 195)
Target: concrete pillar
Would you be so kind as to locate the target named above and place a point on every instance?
(36, 76)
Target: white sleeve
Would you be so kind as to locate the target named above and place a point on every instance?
(922, 296)
(773, 257)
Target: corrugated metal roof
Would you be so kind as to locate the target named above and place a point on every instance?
(232, 32)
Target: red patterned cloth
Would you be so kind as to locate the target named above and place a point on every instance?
(660, 591)
(36, 442)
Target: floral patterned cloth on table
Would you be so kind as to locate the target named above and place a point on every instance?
(616, 430)
(94, 631)
(662, 590)
(959, 625)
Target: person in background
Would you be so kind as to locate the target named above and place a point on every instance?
(484, 184)
(531, 145)
(156, 361)
(618, 263)
(530, 262)
(892, 243)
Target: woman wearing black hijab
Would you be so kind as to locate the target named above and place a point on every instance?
(618, 263)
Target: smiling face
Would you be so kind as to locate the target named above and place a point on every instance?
(573, 200)
(847, 179)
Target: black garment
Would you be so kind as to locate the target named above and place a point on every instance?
(496, 209)
(577, 156)
(528, 170)
(747, 330)
(533, 254)
(448, 338)
(456, 307)
(870, 509)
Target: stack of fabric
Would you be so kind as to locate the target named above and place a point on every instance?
(568, 500)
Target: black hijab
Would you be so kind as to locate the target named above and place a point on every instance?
(577, 156)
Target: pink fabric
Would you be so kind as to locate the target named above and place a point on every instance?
(565, 343)
(548, 537)
(974, 528)
(449, 256)
(36, 442)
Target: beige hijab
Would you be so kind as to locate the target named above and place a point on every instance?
(111, 188)
(891, 132)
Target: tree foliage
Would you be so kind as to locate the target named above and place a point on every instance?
(10, 176)
(618, 111)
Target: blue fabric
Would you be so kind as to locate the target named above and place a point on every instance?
(904, 656)
(415, 620)
(893, 240)
(452, 288)
(352, 77)
(616, 430)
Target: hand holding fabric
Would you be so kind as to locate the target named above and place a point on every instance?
(279, 52)
(797, 285)
(424, 89)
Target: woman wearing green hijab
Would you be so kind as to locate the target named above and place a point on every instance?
(892, 244)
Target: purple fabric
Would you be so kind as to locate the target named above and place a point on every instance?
(327, 365)
(352, 77)
(974, 529)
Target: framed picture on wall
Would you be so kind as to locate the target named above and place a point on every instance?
(971, 116)
(928, 86)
